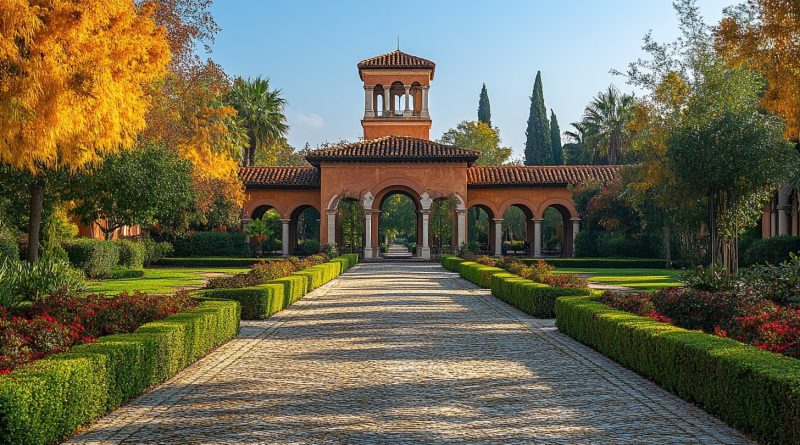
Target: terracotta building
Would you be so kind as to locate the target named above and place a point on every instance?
(396, 155)
(780, 217)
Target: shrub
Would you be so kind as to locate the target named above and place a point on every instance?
(610, 263)
(533, 298)
(155, 251)
(752, 390)
(711, 278)
(96, 257)
(779, 283)
(308, 247)
(772, 250)
(205, 244)
(235, 281)
(451, 262)
(8, 245)
(121, 273)
(131, 254)
(208, 262)
(258, 302)
(20, 280)
(85, 383)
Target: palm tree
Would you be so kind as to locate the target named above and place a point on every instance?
(575, 151)
(260, 112)
(605, 122)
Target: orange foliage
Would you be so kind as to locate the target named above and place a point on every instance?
(765, 35)
(73, 79)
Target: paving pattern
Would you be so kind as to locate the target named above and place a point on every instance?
(402, 354)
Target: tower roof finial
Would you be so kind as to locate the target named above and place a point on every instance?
(398, 42)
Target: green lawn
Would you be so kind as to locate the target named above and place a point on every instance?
(643, 279)
(159, 280)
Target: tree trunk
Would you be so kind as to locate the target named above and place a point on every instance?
(667, 247)
(35, 221)
(251, 153)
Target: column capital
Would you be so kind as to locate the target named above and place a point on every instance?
(497, 220)
(537, 220)
(459, 211)
(285, 221)
(575, 219)
(369, 87)
(407, 87)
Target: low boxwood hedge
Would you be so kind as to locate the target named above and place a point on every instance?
(774, 250)
(262, 301)
(45, 401)
(451, 262)
(604, 263)
(753, 390)
(208, 262)
(212, 244)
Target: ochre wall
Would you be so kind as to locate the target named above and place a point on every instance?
(285, 201)
(380, 127)
(388, 77)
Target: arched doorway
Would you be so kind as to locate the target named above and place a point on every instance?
(557, 239)
(518, 230)
(443, 227)
(350, 234)
(480, 229)
(270, 240)
(399, 228)
(304, 231)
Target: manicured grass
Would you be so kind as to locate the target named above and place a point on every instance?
(160, 280)
(642, 279)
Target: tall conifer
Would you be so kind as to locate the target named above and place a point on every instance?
(555, 140)
(484, 110)
(537, 135)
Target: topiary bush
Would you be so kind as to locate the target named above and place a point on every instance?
(753, 390)
(211, 244)
(773, 250)
(131, 254)
(96, 257)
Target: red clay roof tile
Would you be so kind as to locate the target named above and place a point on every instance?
(279, 176)
(393, 149)
(540, 175)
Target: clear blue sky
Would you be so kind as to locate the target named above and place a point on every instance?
(309, 49)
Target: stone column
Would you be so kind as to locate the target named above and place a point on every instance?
(285, 237)
(387, 101)
(407, 110)
(576, 227)
(498, 237)
(425, 250)
(368, 99)
(784, 208)
(368, 234)
(461, 224)
(537, 238)
(424, 108)
(331, 228)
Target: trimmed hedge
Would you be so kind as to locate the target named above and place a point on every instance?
(262, 301)
(604, 263)
(753, 390)
(209, 262)
(210, 244)
(774, 250)
(43, 402)
(451, 262)
(533, 298)
(131, 254)
(96, 257)
(121, 273)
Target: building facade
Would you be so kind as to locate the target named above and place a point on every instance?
(396, 155)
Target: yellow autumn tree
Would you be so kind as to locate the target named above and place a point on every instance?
(74, 79)
(765, 36)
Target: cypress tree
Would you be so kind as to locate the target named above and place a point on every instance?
(555, 140)
(484, 110)
(537, 135)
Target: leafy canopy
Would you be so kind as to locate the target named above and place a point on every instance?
(478, 136)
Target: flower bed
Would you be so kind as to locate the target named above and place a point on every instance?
(739, 314)
(58, 323)
(45, 401)
(266, 271)
(262, 300)
(753, 390)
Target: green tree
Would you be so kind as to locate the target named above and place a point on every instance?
(537, 136)
(729, 152)
(399, 215)
(143, 187)
(575, 152)
(260, 111)
(484, 109)
(606, 121)
(478, 136)
(555, 140)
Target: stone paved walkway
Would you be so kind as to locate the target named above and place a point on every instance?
(401, 354)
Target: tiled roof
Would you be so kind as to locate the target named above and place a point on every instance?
(279, 176)
(540, 175)
(396, 59)
(393, 149)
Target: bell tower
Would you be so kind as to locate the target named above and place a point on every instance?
(396, 95)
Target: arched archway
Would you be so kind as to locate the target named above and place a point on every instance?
(398, 223)
(443, 227)
(557, 231)
(270, 241)
(518, 230)
(480, 229)
(349, 225)
(304, 225)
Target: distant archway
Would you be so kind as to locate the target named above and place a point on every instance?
(556, 231)
(304, 231)
(398, 220)
(480, 229)
(518, 230)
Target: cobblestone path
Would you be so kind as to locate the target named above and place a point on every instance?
(401, 354)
